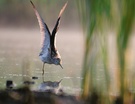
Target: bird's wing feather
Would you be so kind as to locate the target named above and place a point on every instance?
(45, 33)
(53, 40)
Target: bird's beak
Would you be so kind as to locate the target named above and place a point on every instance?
(61, 66)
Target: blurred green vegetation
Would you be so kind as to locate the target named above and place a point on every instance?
(20, 12)
(99, 19)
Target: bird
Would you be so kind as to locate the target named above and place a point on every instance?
(49, 53)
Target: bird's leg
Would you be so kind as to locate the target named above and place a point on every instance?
(43, 72)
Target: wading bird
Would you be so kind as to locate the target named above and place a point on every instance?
(49, 53)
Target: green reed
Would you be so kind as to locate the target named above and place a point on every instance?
(126, 23)
(98, 18)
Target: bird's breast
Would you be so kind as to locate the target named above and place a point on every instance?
(45, 57)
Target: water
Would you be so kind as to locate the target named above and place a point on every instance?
(19, 61)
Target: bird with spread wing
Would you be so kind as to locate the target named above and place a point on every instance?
(49, 53)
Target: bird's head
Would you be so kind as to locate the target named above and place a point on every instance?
(58, 61)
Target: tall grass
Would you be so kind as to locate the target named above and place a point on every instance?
(98, 20)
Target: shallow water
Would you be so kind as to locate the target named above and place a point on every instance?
(19, 61)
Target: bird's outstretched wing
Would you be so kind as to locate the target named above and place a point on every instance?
(45, 33)
(53, 41)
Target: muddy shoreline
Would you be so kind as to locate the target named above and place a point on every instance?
(25, 96)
